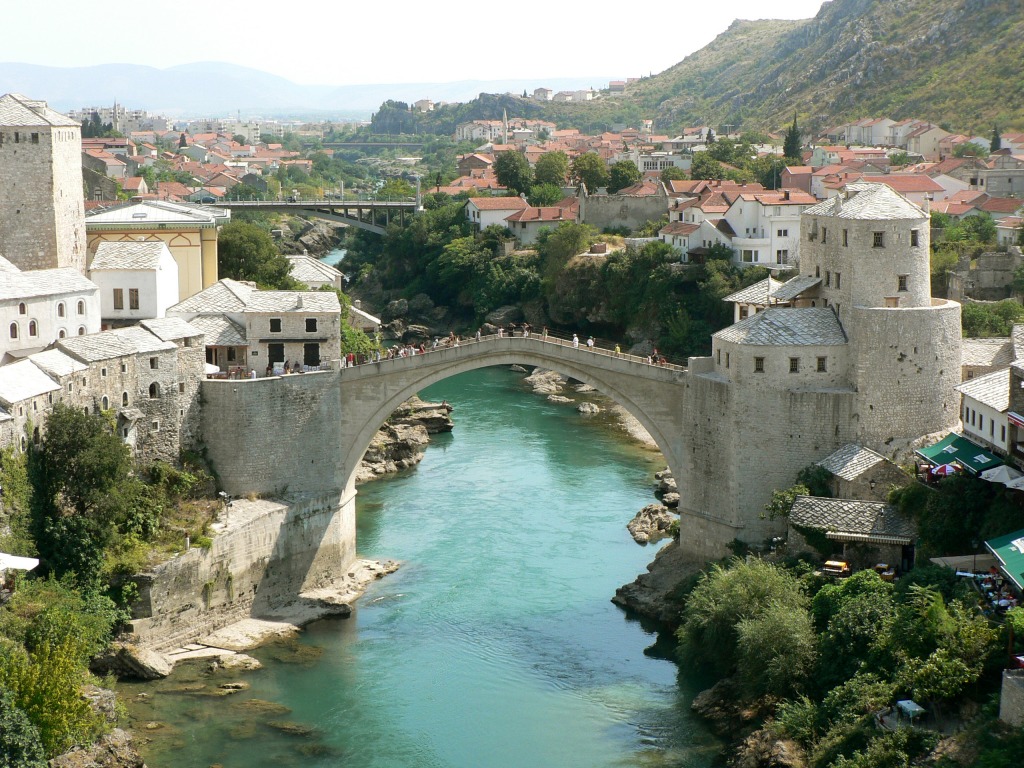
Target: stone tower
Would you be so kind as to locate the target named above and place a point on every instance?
(42, 213)
(870, 248)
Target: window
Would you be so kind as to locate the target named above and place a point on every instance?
(35, 138)
(782, 256)
(828, 279)
(104, 403)
(275, 325)
(914, 241)
(154, 363)
(1002, 433)
(103, 372)
(892, 302)
(782, 233)
(749, 256)
(310, 325)
(231, 354)
(124, 367)
(839, 280)
(81, 330)
(794, 365)
(758, 365)
(60, 309)
(14, 330)
(133, 298)
(728, 355)
(61, 333)
(824, 235)
(22, 309)
(81, 307)
(744, 311)
(822, 365)
(719, 360)
(903, 282)
(991, 427)
(154, 391)
(33, 329)
(154, 427)
(846, 238)
(817, 271)
(118, 298)
(124, 399)
(878, 239)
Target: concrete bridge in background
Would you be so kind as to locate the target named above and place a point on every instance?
(371, 215)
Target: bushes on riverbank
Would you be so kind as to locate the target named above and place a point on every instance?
(829, 656)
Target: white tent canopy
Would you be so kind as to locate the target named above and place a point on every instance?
(1001, 474)
(15, 563)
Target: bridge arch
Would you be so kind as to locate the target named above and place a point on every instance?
(647, 392)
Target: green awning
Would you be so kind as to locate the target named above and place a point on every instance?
(954, 448)
(1009, 550)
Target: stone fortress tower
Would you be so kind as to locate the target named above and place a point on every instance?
(854, 349)
(42, 214)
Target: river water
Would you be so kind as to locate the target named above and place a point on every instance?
(494, 645)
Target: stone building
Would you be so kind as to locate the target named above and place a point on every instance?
(860, 473)
(297, 327)
(42, 213)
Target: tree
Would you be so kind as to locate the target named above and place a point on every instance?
(246, 252)
(544, 194)
(590, 170)
(672, 173)
(791, 144)
(512, 170)
(622, 174)
(704, 166)
(558, 245)
(997, 141)
(970, 149)
(551, 168)
(80, 477)
(182, 141)
(782, 501)
(239, 139)
(775, 650)
(19, 739)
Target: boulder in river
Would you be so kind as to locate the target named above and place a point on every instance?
(545, 382)
(651, 523)
(127, 660)
(588, 409)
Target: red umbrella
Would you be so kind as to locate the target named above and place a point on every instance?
(945, 470)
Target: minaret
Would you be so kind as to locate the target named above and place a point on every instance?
(504, 122)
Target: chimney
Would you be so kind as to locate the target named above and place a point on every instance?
(357, 304)
(299, 302)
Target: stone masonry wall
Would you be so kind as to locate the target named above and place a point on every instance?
(602, 211)
(262, 435)
(1011, 700)
(258, 565)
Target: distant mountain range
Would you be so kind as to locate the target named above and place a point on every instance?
(216, 89)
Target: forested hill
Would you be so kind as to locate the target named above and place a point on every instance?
(956, 62)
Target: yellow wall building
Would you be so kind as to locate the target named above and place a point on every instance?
(190, 232)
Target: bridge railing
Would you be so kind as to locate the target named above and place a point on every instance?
(601, 347)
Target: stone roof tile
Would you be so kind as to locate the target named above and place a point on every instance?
(809, 326)
(129, 254)
(44, 282)
(56, 363)
(850, 461)
(220, 331)
(871, 202)
(793, 288)
(758, 293)
(851, 519)
(992, 389)
(22, 380)
(988, 352)
(170, 328)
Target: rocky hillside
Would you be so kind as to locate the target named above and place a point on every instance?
(959, 62)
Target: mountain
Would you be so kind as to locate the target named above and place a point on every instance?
(217, 89)
(959, 62)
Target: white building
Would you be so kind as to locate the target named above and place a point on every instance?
(484, 211)
(39, 306)
(137, 280)
(984, 405)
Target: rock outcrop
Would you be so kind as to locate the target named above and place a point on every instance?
(114, 750)
(545, 382)
(126, 660)
(399, 443)
(653, 594)
(763, 750)
(652, 523)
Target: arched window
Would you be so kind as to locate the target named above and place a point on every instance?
(81, 330)
(81, 307)
(60, 309)
(33, 329)
(14, 330)
(22, 309)
(124, 398)
(105, 403)
(24, 444)
(61, 333)
(154, 391)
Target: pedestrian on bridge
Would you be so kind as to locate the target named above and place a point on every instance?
(590, 342)
(575, 341)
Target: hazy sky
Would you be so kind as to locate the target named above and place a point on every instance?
(343, 42)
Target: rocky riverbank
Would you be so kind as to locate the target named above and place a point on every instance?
(400, 442)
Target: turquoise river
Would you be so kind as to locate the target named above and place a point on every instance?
(494, 646)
